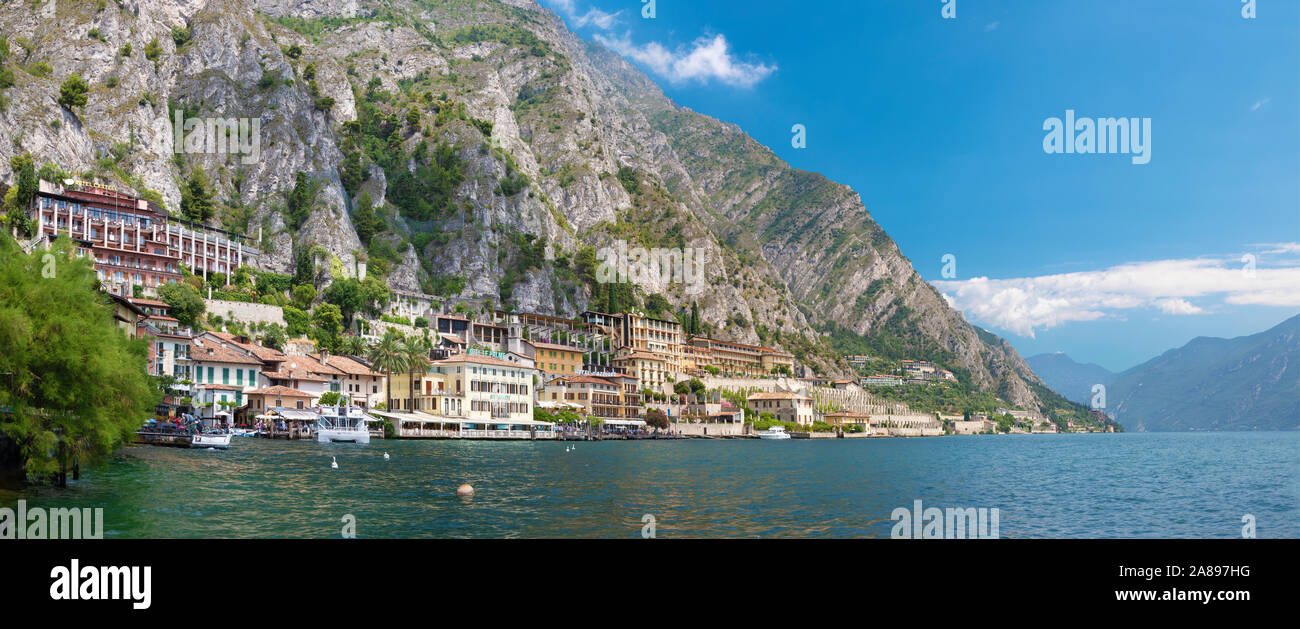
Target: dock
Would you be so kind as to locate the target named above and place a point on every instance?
(169, 439)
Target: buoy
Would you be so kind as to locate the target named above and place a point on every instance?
(385, 456)
(465, 490)
(334, 463)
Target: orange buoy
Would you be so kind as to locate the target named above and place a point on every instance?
(465, 490)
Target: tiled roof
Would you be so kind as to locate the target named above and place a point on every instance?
(213, 352)
(298, 375)
(264, 353)
(347, 365)
(306, 363)
(279, 391)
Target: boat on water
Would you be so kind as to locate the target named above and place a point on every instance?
(774, 432)
(218, 440)
(342, 424)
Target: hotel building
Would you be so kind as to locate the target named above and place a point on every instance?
(131, 241)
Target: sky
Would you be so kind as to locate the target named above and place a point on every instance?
(942, 126)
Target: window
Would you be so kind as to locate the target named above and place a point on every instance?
(225, 375)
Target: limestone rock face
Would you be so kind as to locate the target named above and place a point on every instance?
(563, 146)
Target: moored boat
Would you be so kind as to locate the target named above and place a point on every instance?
(774, 432)
(218, 440)
(342, 424)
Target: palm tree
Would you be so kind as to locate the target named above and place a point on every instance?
(415, 356)
(387, 356)
(353, 345)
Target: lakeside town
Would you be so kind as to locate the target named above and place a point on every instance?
(237, 348)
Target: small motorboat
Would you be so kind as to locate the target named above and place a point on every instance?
(774, 432)
(221, 441)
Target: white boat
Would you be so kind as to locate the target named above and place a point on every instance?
(211, 440)
(342, 424)
(774, 432)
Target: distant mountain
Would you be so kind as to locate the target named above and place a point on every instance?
(1071, 379)
(1245, 383)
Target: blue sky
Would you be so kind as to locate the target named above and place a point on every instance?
(938, 125)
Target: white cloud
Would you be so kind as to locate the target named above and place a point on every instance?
(593, 16)
(1173, 287)
(1259, 103)
(992, 26)
(708, 58)
(1278, 247)
(1177, 306)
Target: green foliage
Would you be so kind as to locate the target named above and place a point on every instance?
(657, 304)
(73, 92)
(296, 321)
(303, 296)
(196, 199)
(506, 34)
(353, 296)
(429, 191)
(366, 219)
(449, 285)
(329, 398)
(301, 199)
(153, 50)
(76, 386)
(180, 36)
(186, 303)
(628, 178)
(272, 283)
(22, 194)
(327, 327)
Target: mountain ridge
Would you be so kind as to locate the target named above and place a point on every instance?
(556, 147)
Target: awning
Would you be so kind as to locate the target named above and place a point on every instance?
(426, 418)
(624, 422)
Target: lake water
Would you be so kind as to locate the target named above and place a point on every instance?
(1121, 485)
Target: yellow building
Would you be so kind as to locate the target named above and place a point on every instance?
(557, 360)
(659, 337)
(650, 370)
(469, 386)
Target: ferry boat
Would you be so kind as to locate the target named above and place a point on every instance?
(774, 432)
(342, 424)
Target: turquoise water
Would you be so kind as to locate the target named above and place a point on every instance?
(1123, 485)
